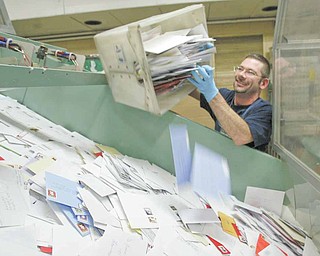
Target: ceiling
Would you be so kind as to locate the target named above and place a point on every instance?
(55, 21)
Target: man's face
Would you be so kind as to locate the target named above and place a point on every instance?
(248, 77)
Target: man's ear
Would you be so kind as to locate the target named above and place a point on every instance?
(264, 83)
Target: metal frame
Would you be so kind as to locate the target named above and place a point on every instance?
(279, 45)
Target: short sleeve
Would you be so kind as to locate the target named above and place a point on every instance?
(259, 121)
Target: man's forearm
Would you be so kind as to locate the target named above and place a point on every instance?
(236, 128)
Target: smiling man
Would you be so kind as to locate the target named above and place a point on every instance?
(239, 113)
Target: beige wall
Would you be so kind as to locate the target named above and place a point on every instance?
(79, 46)
(259, 35)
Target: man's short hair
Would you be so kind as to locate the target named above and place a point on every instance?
(266, 64)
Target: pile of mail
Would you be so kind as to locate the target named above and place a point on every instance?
(173, 55)
(63, 194)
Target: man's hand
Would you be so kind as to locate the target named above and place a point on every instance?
(203, 80)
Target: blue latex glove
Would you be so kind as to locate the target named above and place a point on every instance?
(203, 80)
(205, 46)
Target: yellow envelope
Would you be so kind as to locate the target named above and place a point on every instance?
(227, 223)
(108, 149)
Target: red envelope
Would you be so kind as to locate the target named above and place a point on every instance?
(262, 244)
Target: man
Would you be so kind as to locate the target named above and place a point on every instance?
(240, 113)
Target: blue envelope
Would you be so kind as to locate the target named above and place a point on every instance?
(81, 227)
(62, 190)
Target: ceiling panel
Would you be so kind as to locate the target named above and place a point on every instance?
(258, 12)
(107, 19)
(47, 26)
(126, 16)
(170, 8)
(244, 9)
(74, 23)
